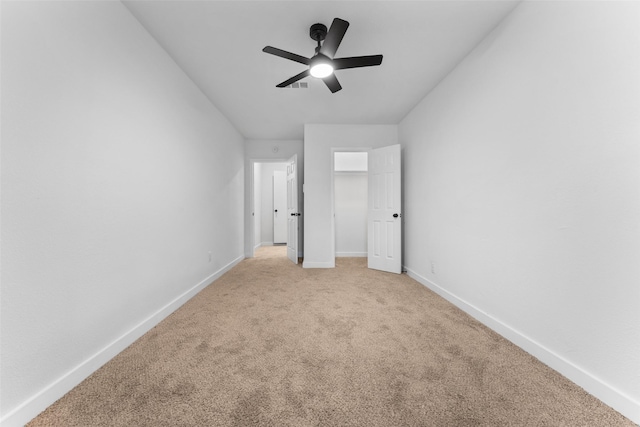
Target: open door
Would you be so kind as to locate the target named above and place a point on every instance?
(384, 223)
(292, 209)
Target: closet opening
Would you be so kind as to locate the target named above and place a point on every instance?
(350, 192)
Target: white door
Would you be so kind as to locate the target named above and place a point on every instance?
(384, 222)
(279, 207)
(292, 209)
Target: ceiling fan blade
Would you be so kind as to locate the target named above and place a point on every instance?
(332, 83)
(334, 37)
(294, 79)
(287, 55)
(357, 61)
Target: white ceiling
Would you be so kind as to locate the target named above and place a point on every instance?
(219, 45)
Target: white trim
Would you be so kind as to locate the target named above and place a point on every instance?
(33, 406)
(608, 394)
(352, 254)
(310, 264)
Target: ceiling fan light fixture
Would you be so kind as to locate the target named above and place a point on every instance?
(321, 67)
(321, 70)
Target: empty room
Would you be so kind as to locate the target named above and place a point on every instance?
(319, 213)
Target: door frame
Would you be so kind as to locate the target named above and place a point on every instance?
(252, 222)
(333, 195)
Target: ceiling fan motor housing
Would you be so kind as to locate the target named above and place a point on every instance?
(318, 32)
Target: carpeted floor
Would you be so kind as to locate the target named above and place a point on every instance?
(272, 344)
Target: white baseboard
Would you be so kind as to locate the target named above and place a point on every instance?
(47, 396)
(619, 401)
(351, 254)
(312, 264)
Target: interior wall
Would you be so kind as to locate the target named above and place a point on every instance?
(270, 151)
(350, 206)
(521, 195)
(266, 205)
(319, 141)
(120, 180)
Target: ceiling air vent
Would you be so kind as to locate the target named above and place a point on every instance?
(299, 85)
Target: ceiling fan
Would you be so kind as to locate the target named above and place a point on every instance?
(323, 64)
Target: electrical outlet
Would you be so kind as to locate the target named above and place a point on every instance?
(210, 256)
(433, 267)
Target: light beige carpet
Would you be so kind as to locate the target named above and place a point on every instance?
(272, 344)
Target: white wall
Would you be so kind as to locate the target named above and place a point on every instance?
(521, 174)
(350, 206)
(346, 161)
(319, 141)
(118, 179)
(270, 151)
(266, 205)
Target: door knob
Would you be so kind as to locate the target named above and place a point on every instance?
(395, 215)
(276, 210)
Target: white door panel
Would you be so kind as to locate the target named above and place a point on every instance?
(279, 207)
(292, 209)
(384, 216)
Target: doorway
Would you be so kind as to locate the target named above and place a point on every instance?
(372, 197)
(269, 207)
(350, 189)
